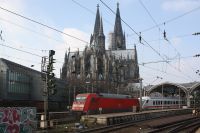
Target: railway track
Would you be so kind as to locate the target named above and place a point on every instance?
(105, 129)
(189, 124)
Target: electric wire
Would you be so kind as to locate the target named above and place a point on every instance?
(44, 25)
(149, 14)
(158, 70)
(61, 31)
(172, 19)
(35, 32)
(170, 38)
(158, 53)
(87, 9)
(30, 30)
(31, 61)
(158, 26)
(20, 50)
(11, 47)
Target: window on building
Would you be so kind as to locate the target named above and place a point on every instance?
(18, 83)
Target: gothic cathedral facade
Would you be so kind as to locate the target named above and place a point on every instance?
(112, 68)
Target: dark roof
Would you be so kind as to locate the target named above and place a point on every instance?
(12, 65)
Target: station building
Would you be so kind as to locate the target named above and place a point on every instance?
(23, 86)
(188, 91)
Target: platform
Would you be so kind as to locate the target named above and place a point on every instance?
(115, 118)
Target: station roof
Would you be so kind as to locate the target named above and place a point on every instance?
(186, 87)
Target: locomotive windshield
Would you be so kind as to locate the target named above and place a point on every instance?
(80, 98)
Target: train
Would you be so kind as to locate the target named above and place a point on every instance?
(149, 103)
(97, 103)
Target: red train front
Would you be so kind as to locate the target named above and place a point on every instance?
(93, 103)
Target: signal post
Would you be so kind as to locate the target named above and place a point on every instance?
(49, 89)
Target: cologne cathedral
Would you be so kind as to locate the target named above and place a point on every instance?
(103, 70)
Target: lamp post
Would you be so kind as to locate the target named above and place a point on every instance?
(140, 80)
(87, 82)
(69, 100)
(195, 99)
(179, 99)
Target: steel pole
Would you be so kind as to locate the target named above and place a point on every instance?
(179, 99)
(140, 80)
(74, 92)
(45, 91)
(162, 97)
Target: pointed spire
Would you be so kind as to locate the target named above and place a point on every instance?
(101, 28)
(118, 26)
(135, 56)
(124, 36)
(97, 22)
(66, 56)
(91, 39)
(124, 40)
(101, 38)
(118, 32)
(136, 73)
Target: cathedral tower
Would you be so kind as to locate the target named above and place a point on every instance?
(98, 39)
(101, 38)
(118, 41)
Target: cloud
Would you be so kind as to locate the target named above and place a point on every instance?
(179, 5)
(69, 42)
(73, 43)
(12, 5)
(16, 36)
(6, 18)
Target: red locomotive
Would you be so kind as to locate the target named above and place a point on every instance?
(93, 103)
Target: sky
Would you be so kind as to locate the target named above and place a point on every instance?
(160, 60)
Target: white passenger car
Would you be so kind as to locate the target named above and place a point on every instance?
(162, 102)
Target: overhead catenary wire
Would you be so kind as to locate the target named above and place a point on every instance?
(44, 25)
(31, 30)
(31, 61)
(27, 52)
(158, 53)
(20, 50)
(77, 3)
(172, 19)
(149, 14)
(131, 29)
(139, 63)
(170, 38)
(179, 36)
(156, 24)
(89, 10)
(158, 70)
(179, 55)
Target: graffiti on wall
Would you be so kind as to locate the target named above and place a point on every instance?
(17, 119)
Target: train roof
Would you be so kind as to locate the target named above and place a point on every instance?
(107, 95)
(159, 98)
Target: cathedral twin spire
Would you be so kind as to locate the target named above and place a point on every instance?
(119, 38)
(98, 37)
